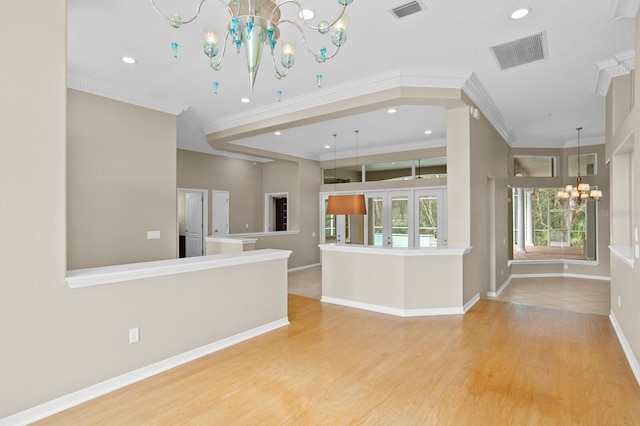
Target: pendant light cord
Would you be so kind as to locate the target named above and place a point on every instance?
(335, 173)
(357, 160)
(578, 129)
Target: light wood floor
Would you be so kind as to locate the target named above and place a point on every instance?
(500, 364)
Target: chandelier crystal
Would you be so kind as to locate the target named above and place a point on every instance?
(256, 23)
(581, 191)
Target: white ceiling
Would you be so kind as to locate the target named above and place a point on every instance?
(537, 105)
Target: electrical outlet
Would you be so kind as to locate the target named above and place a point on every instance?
(134, 335)
(566, 266)
(313, 234)
(618, 301)
(501, 271)
(246, 225)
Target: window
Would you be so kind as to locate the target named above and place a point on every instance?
(395, 218)
(342, 175)
(419, 168)
(534, 166)
(394, 170)
(547, 228)
(588, 164)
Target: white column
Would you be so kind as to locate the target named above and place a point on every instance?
(520, 221)
(528, 238)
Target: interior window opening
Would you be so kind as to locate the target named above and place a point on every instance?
(547, 228)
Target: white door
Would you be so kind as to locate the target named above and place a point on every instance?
(194, 224)
(390, 219)
(340, 228)
(430, 218)
(220, 213)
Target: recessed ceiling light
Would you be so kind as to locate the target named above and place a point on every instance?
(327, 146)
(427, 132)
(520, 13)
(128, 60)
(307, 14)
(245, 100)
(392, 110)
(277, 133)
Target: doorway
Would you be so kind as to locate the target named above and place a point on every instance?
(220, 209)
(193, 216)
(395, 218)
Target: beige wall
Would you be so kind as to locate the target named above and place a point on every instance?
(623, 131)
(459, 177)
(282, 176)
(121, 182)
(489, 154)
(32, 179)
(304, 210)
(56, 340)
(241, 178)
(247, 183)
(393, 281)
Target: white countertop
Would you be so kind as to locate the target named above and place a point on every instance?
(395, 251)
(133, 271)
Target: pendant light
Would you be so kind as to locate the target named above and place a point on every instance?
(348, 204)
(581, 190)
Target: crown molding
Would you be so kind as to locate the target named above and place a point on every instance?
(402, 77)
(94, 89)
(624, 8)
(468, 82)
(479, 95)
(622, 63)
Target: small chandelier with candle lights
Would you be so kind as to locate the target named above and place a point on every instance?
(581, 191)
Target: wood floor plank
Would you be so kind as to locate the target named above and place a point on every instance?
(501, 363)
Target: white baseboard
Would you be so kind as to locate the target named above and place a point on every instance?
(76, 398)
(300, 268)
(501, 289)
(471, 302)
(626, 347)
(586, 277)
(398, 311)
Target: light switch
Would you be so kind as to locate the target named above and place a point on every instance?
(153, 235)
(636, 232)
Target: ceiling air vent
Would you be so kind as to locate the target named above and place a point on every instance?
(408, 9)
(519, 52)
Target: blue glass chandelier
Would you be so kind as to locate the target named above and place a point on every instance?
(256, 23)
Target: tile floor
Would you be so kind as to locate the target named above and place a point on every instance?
(306, 282)
(569, 294)
(546, 252)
